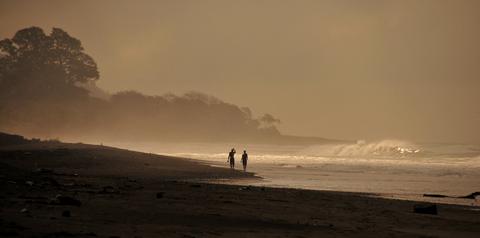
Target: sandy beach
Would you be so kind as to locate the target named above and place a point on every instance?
(78, 190)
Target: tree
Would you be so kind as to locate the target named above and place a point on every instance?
(43, 92)
(35, 64)
(267, 124)
(268, 120)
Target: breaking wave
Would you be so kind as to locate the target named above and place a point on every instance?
(386, 148)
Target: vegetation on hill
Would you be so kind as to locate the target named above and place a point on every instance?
(47, 89)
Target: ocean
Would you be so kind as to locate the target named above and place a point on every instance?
(389, 168)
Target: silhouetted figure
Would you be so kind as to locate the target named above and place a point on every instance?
(231, 158)
(244, 160)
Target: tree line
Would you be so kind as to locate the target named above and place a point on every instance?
(47, 88)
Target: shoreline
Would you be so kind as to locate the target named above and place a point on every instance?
(79, 190)
(420, 197)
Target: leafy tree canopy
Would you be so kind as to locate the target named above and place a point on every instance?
(34, 63)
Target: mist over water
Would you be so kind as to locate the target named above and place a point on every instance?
(387, 167)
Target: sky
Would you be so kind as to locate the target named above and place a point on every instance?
(360, 70)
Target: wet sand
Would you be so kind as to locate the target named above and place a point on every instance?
(76, 190)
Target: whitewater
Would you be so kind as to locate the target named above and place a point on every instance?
(392, 168)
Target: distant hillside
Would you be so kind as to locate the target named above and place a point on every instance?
(9, 139)
(48, 90)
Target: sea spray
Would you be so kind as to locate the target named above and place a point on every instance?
(388, 148)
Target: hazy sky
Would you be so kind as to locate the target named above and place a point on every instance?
(340, 69)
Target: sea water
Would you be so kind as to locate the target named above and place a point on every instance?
(390, 167)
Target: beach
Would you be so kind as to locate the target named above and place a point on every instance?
(77, 190)
(388, 168)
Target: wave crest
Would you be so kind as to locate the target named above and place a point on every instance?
(362, 148)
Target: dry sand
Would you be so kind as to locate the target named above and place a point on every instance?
(108, 192)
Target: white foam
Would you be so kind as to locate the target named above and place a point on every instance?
(390, 166)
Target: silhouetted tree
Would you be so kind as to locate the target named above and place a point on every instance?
(33, 64)
(268, 120)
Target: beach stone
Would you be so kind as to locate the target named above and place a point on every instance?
(244, 188)
(430, 209)
(44, 171)
(65, 200)
(108, 189)
(66, 213)
(51, 181)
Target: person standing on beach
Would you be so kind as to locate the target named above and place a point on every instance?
(244, 160)
(231, 158)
